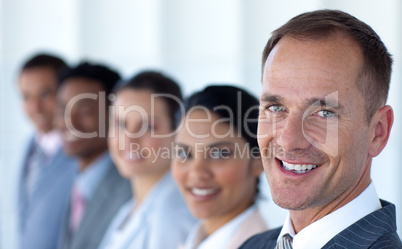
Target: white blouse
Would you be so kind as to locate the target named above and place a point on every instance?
(161, 221)
(223, 237)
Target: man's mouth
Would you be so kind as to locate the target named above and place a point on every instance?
(298, 168)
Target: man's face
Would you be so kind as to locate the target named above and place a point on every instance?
(38, 88)
(313, 116)
(84, 118)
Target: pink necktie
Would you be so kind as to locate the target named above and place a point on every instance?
(77, 209)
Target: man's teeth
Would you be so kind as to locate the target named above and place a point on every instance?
(298, 168)
(203, 191)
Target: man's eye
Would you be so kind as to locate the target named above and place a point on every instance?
(326, 114)
(46, 93)
(276, 108)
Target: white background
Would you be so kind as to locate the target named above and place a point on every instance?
(196, 42)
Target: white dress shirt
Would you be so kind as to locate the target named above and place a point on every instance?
(317, 234)
(161, 221)
(198, 238)
(49, 142)
(89, 179)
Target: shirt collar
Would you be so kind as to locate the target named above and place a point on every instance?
(136, 220)
(332, 224)
(156, 192)
(89, 179)
(49, 142)
(220, 238)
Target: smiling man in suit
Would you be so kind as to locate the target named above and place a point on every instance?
(323, 112)
(47, 173)
(99, 190)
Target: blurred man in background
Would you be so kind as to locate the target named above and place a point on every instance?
(47, 174)
(99, 191)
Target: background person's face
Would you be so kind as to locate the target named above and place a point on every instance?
(296, 74)
(38, 89)
(216, 182)
(144, 153)
(84, 118)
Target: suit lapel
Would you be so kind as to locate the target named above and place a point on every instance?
(58, 166)
(367, 230)
(96, 205)
(109, 196)
(270, 241)
(266, 240)
(22, 197)
(64, 234)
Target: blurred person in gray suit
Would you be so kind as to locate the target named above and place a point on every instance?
(99, 190)
(46, 173)
(323, 117)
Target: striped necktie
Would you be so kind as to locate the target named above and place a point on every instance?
(285, 242)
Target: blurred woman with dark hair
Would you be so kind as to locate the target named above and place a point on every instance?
(217, 166)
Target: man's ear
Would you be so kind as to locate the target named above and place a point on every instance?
(381, 128)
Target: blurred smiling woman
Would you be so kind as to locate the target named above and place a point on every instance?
(217, 166)
(157, 216)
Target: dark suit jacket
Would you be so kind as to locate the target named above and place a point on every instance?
(113, 191)
(376, 230)
(41, 216)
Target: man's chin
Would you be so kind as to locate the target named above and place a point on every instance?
(292, 205)
(72, 151)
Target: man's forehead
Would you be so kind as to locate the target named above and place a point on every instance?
(35, 77)
(339, 46)
(82, 84)
(323, 65)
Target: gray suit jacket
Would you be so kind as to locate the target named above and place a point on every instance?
(41, 216)
(112, 192)
(376, 230)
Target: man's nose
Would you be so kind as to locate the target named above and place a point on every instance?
(290, 136)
